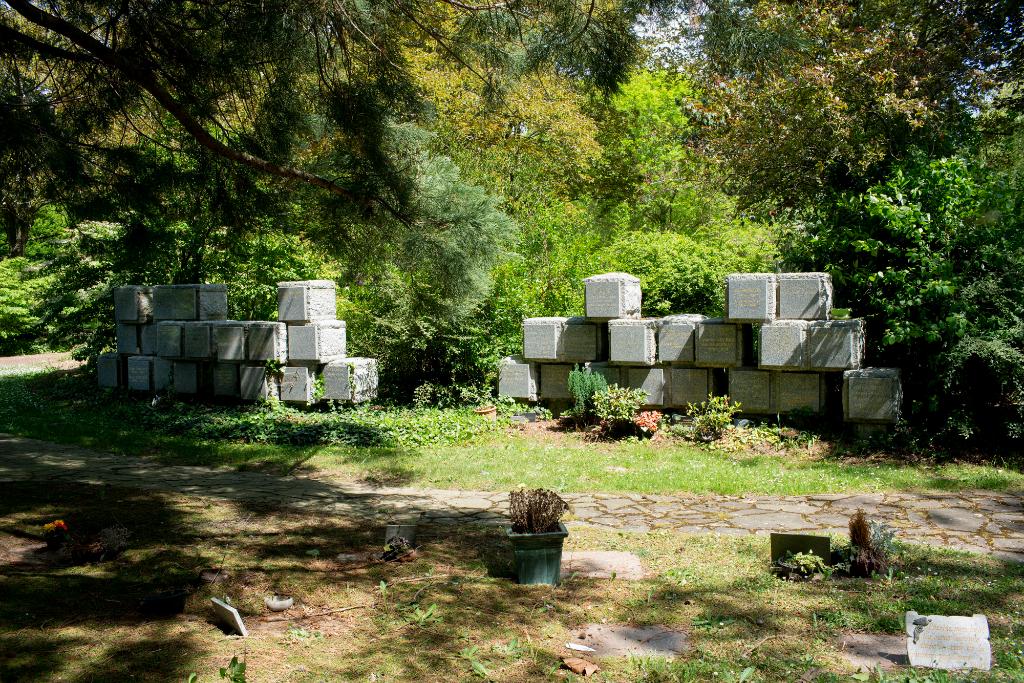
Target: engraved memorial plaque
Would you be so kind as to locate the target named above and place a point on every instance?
(950, 643)
(798, 391)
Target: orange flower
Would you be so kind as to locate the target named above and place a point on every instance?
(648, 420)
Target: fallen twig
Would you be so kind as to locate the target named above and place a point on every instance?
(319, 614)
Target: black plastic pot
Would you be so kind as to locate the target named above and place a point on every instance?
(538, 556)
(165, 603)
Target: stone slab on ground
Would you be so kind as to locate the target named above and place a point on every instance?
(868, 651)
(296, 385)
(951, 643)
(602, 564)
(641, 641)
(140, 373)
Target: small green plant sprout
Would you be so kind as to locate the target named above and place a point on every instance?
(423, 617)
(234, 671)
(711, 417)
(805, 564)
(475, 665)
(274, 367)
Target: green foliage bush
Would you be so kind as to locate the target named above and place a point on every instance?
(585, 385)
(20, 292)
(617, 407)
(711, 417)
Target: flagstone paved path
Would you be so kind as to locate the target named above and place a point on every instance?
(980, 521)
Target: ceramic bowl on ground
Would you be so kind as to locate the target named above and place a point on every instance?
(278, 603)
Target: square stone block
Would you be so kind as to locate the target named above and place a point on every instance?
(835, 345)
(163, 374)
(612, 374)
(612, 295)
(719, 344)
(752, 389)
(255, 383)
(783, 345)
(805, 296)
(175, 302)
(168, 339)
(570, 340)
(688, 385)
(108, 370)
(651, 380)
(516, 378)
(267, 341)
(321, 341)
(750, 297)
(196, 341)
(129, 339)
(798, 391)
(554, 381)
(149, 339)
(872, 395)
(140, 373)
(225, 379)
(229, 340)
(677, 338)
(212, 302)
(187, 377)
(306, 300)
(351, 379)
(633, 341)
(297, 385)
(133, 304)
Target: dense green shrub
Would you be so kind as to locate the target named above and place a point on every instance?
(585, 385)
(20, 290)
(616, 408)
(711, 417)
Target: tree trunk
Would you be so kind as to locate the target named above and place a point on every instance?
(17, 235)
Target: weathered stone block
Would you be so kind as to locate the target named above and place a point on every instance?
(140, 373)
(633, 341)
(752, 389)
(297, 385)
(196, 340)
(677, 338)
(611, 373)
(229, 340)
(149, 340)
(835, 345)
(267, 341)
(163, 374)
(255, 383)
(516, 378)
(306, 300)
(108, 370)
(187, 377)
(719, 344)
(688, 385)
(569, 340)
(612, 295)
(554, 381)
(225, 379)
(351, 379)
(805, 296)
(798, 391)
(650, 380)
(872, 395)
(750, 297)
(133, 304)
(168, 338)
(175, 302)
(129, 339)
(321, 341)
(212, 302)
(783, 345)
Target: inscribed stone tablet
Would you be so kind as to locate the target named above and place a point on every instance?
(633, 342)
(321, 341)
(516, 379)
(175, 302)
(107, 370)
(677, 337)
(168, 339)
(186, 378)
(950, 643)
(612, 295)
(128, 339)
(133, 304)
(297, 385)
(229, 617)
(835, 344)
(651, 381)
(805, 296)
(213, 302)
(798, 391)
(163, 374)
(149, 342)
(719, 344)
(541, 337)
(196, 341)
(554, 381)
(267, 341)
(352, 379)
(140, 373)
(688, 385)
(751, 389)
(255, 384)
(225, 379)
(608, 640)
(872, 395)
(782, 345)
(580, 341)
(750, 297)
(229, 341)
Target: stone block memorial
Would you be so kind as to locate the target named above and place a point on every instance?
(776, 350)
(178, 338)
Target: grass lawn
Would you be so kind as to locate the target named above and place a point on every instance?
(81, 623)
(457, 449)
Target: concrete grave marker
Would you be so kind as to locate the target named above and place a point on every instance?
(196, 341)
(783, 345)
(872, 395)
(229, 617)
(229, 340)
(688, 385)
(129, 340)
(149, 339)
(306, 300)
(212, 302)
(267, 341)
(133, 304)
(297, 385)
(650, 380)
(809, 544)
(320, 341)
(752, 389)
(186, 378)
(950, 643)
(677, 338)
(554, 381)
(225, 379)
(168, 339)
(175, 302)
(750, 297)
(798, 391)
(351, 379)
(835, 345)
(517, 379)
(140, 373)
(719, 344)
(255, 383)
(633, 341)
(612, 295)
(805, 296)
(602, 564)
(620, 641)
(108, 373)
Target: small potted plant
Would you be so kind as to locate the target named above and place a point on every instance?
(537, 535)
(56, 534)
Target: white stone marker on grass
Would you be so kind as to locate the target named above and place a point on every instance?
(872, 395)
(612, 295)
(321, 341)
(306, 300)
(750, 297)
(949, 643)
(633, 341)
(351, 379)
(677, 338)
(804, 296)
(516, 378)
(835, 345)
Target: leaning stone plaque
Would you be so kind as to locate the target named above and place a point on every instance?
(229, 617)
(950, 643)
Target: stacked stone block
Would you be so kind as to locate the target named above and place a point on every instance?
(681, 360)
(177, 337)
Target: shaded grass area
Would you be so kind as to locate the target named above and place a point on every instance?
(452, 448)
(82, 623)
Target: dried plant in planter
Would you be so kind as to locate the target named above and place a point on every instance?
(535, 511)
(869, 552)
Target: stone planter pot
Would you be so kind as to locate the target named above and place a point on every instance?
(538, 556)
(488, 412)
